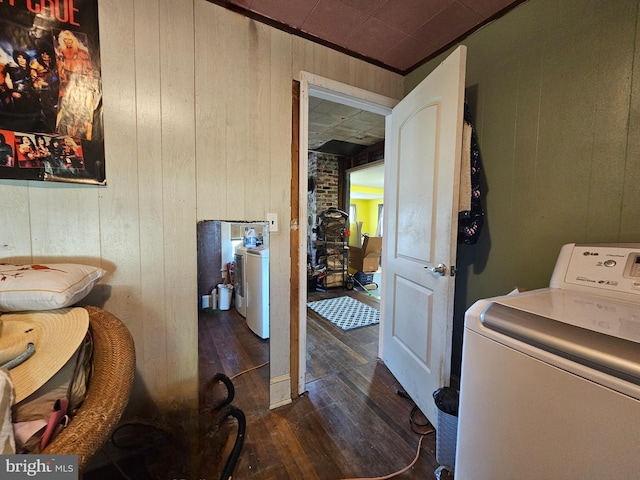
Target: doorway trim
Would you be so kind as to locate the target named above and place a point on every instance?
(312, 85)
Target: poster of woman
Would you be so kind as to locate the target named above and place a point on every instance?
(50, 91)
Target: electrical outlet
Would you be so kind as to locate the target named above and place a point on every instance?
(272, 219)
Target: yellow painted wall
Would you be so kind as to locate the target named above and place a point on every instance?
(366, 210)
(367, 213)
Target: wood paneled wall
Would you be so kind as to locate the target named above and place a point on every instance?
(197, 115)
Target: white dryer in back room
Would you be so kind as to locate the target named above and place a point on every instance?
(257, 290)
(240, 280)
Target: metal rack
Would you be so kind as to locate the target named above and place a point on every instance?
(332, 247)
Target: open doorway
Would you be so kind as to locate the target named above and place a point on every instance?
(366, 217)
(344, 142)
(313, 89)
(345, 194)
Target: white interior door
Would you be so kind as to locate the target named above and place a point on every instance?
(422, 165)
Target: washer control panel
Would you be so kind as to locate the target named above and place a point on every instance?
(606, 267)
(633, 266)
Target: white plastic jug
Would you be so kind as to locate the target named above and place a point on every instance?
(206, 301)
(251, 239)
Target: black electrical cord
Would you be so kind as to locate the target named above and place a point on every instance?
(140, 437)
(146, 438)
(412, 422)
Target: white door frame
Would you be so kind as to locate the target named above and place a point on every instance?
(312, 85)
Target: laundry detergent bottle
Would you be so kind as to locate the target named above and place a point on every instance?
(250, 237)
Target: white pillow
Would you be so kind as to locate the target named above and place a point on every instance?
(46, 286)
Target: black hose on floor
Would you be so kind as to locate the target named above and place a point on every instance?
(222, 410)
(214, 382)
(234, 456)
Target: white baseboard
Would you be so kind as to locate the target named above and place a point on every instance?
(279, 391)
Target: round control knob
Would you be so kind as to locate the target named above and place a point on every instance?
(610, 263)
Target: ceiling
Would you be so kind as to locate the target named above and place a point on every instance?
(340, 129)
(371, 177)
(399, 35)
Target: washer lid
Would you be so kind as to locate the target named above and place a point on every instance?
(599, 313)
(613, 355)
(262, 251)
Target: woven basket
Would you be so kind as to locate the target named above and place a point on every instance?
(108, 391)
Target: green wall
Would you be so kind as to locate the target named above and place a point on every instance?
(554, 92)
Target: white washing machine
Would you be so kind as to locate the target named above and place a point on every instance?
(257, 290)
(240, 280)
(550, 381)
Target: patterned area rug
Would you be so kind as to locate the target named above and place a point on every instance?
(346, 312)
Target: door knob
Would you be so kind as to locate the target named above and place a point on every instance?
(440, 269)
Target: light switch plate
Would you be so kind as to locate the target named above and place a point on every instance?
(272, 219)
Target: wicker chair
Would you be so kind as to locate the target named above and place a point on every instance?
(108, 391)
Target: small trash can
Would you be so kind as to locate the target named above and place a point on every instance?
(447, 401)
(224, 296)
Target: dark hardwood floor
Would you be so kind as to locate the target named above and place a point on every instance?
(351, 422)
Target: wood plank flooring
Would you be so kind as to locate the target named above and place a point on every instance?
(351, 422)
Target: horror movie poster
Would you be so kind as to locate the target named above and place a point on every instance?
(50, 91)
